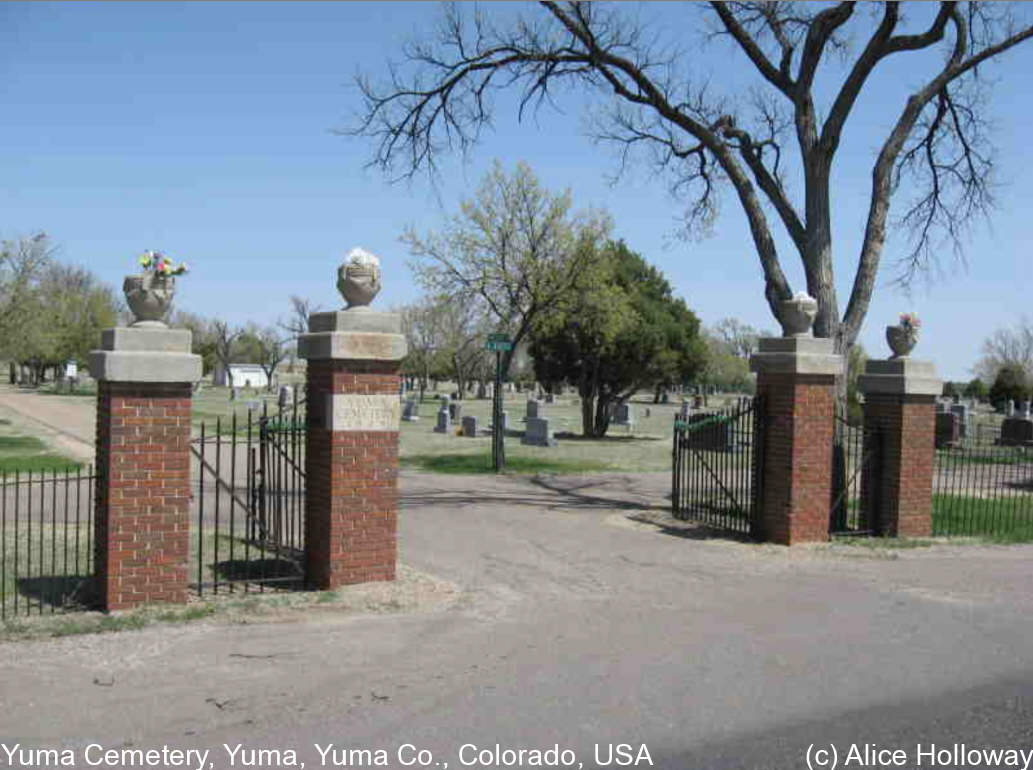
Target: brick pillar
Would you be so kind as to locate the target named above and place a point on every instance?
(142, 522)
(899, 406)
(351, 483)
(796, 383)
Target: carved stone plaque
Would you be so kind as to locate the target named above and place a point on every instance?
(347, 411)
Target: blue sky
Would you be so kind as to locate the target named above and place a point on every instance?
(206, 130)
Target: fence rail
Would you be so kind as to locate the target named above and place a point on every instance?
(46, 540)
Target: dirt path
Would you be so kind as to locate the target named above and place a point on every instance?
(66, 423)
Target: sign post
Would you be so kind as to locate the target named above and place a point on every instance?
(499, 343)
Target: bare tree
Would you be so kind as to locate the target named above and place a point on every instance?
(223, 336)
(515, 250)
(739, 338)
(272, 348)
(296, 324)
(441, 99)
(422, 336)
(1007, 347)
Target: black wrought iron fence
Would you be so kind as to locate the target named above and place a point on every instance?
(984, 488)
(46, 540)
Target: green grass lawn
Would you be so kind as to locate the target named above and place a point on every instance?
(24, 454)
(644, 448)
(1000, 520)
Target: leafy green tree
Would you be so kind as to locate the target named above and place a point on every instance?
(202, 338)
(1011, 383)
(621, 330)
(976, 389)
(50, 312)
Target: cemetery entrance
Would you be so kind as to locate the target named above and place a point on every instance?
(717, 467)
(249, 501)
(856, 450)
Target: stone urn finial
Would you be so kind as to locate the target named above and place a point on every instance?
(149, 298)
(798, 315)
(149, 294)
(903, 337)
(358, 279)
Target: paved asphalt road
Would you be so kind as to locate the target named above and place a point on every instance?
(575, 623)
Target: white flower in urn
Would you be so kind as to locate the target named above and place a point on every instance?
(798, 315)
(358, 279)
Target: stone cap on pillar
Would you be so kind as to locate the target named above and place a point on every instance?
(900, 376)
(145, 354)
(796, 355)
(355, 334)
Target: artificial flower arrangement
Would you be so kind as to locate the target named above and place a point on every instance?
(161, 264)
(910, 321)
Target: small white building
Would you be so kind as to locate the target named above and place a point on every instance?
(240, 376)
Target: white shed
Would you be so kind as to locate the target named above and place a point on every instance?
(240, 376)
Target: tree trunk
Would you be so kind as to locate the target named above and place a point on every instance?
(602, 415)
(587, 415)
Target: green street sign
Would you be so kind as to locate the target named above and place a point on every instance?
(498, 341)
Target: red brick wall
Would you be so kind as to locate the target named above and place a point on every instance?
(351, 493)
(905, 475)
(142, 523)
(799, 414)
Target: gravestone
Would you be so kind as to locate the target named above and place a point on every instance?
(482, 390)
(1016, 431)
(444, 419)
(285, 396)
(409, 411)
(505, 422)
(961, 412)
(665, 398)
(550, 398)
(948, 430)
(534, 409)
(623, 415)
(470, 426)
(455, 411)
(538, 433)
(1024, 410)
(1009, 408)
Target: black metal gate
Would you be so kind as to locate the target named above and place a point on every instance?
(717, 467)
(250, 501)
(856, 452)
